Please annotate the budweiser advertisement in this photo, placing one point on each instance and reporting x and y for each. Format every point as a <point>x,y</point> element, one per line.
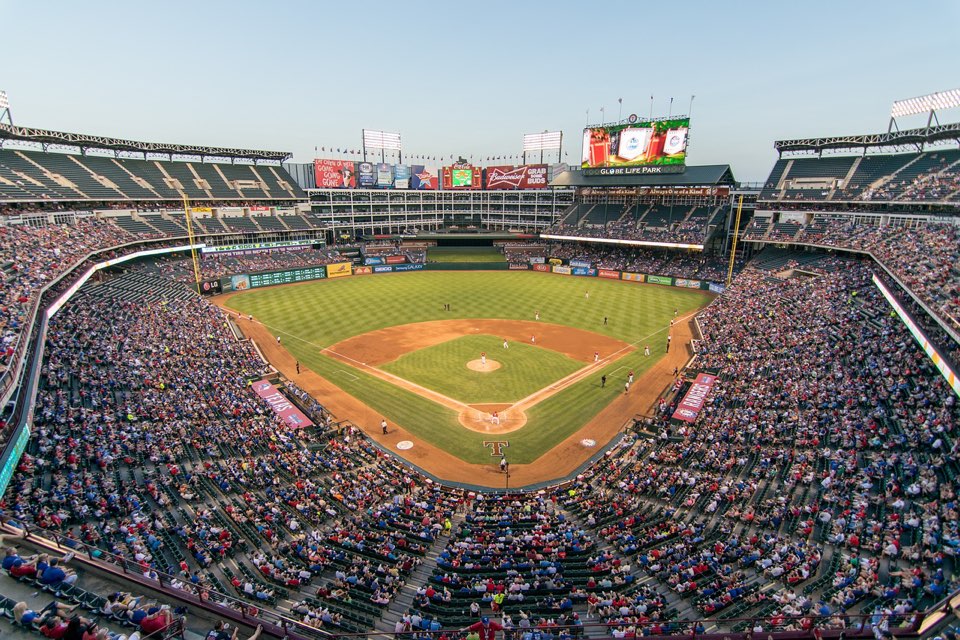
<point>696,396</point>
<point>531,176</point>
<point>335,174</point>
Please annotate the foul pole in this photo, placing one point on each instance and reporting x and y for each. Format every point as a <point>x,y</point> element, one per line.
<point>190,238</point>
<point>736,236</point>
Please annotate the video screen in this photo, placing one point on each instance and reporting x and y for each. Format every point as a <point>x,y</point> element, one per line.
<point>461,178</point>
<point>644,142</point>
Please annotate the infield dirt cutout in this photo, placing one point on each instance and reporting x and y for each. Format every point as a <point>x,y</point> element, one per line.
<point>557,462</point>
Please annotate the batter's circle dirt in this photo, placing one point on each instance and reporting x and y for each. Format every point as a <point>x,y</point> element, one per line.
<point>479,365</point>
<point>558,462</point>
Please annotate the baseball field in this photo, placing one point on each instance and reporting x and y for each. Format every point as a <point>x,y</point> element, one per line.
<point>455,359</point>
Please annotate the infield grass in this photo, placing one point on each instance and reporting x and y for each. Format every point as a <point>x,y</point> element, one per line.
<point>465,254</point>
<point>523,370</point>
<point>315,315</point>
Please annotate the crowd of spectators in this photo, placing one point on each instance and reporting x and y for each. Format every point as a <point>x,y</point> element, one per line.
<point>829,439</point>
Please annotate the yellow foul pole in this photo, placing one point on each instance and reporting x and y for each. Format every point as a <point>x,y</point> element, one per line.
<point>190,237</point>
<point>733,246</point>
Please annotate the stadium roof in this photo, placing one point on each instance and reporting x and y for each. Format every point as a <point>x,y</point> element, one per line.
<point>707,174</point>
<point>47,137</point>
<point>892,139</point>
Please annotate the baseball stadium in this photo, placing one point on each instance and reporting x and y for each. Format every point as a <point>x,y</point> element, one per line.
<point>366,390</point>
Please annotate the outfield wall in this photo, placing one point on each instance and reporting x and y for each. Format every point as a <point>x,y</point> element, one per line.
<point>247,281</point>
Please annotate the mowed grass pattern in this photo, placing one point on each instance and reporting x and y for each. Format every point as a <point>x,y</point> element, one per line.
<point>315,315</point>
<point>523,370</point>
<point>465,254</point>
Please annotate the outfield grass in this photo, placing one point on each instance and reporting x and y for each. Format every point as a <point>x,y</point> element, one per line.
<point>315,315</point>
<point>523,370</point>
<point>465,254</point>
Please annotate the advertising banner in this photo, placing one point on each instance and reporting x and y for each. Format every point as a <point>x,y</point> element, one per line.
<point>339,270</point>
<point>562,270</point>
<point>579,263</point>
<point>660,280</point>
<point>555,261</point>
<point>584,271</point>
<point>633,277</point>
<point>382,269</point>
<point>717,288</point>
<point>335,174</point>
<point>362,271</point>
<point>401,176</point>
<point>537,260</point>
<point>608,273</point>
<point>395,259</point>
<point>373,260</point>
<point>408,267</point>
<point>460,176</point>
<point>531,176</point>
<point>693,401</point>
<point>424,178</point>
<point>210,287</point>
<point>366,175</point>
<point>541,267</point>
<point>260,209</point>
<point>519,267</point>
<point>288,412</point>
<point>239,282</point>
<point>384,176</point>
<point>641,143</point>
<point>689,284</point>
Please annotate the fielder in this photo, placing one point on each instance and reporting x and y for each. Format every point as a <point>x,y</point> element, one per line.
<point>506,345</point>
<point>495,418</point>
<point>483,359</point>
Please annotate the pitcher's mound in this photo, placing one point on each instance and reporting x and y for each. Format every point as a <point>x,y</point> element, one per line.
<point>475,365</point>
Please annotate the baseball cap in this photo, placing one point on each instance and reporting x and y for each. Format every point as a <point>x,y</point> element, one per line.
<point>485,620</point>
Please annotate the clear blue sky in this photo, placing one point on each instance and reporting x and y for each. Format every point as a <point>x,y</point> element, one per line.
<point>471,77</point>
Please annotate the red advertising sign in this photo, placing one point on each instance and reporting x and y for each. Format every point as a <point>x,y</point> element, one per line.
<point>692,403</point>
<point>541,267</point>
<point>607,273</point>
<point>531,176</point>
<point>395,259</point>
<point>259,208</point>
<point>335,174</point>
<point>461,175</point>
<point>362,271</point>
<point>281,405</point>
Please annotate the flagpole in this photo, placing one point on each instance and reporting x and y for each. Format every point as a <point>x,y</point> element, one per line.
<point>670,111</point>
<point>620,110</point>
<point>651,108</point>
<point>690,110</point>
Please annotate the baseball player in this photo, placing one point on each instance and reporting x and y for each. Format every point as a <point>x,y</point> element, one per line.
<point>483,358</point>
<point>506,345</point>
<point>630,377</point>
<point>626,387</point>
<point>533,339</point>
<point>669,338</point>
<point>495,418</point>
<point>646,350</point>
<point>383,426</point>
<point>596,356</point>
<point>536,316</point>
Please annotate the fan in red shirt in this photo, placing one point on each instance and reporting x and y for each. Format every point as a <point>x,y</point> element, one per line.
<point>486,629</point>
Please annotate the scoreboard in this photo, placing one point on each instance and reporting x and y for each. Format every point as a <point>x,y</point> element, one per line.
<point>243,282</point>
<point>283,277</point>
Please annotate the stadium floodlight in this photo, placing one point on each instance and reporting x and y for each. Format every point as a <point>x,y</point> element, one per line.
<point>541,141</point>
<point>381,140</point>
<point>926,104</point>
<point>4,101</point>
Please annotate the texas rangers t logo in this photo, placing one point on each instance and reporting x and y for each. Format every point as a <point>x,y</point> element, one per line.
<point>496,446</point>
